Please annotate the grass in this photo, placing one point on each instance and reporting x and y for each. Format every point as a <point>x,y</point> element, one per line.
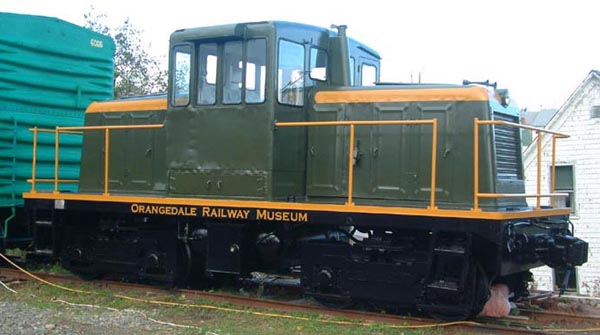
<point>54,268</point>
<point>16,253</point>
<point>221,318</point>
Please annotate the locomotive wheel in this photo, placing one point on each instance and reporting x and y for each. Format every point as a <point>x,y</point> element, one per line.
<point>73,259</point>
<point>477,292</point>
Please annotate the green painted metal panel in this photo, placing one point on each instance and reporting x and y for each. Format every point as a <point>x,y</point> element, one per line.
<point>136,156</point>
<point>393,163</point>
<point>50,71</point>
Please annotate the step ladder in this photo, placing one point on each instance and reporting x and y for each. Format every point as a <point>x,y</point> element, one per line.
<point>449,266</point>
<point>44,232</point>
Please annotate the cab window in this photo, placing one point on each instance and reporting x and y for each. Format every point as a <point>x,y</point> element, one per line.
<point>290,73</point>
<point>318,64</point>
<point>369,75</point>
<point>256,70</point>
<point>207,73</point>
<point>352,70</point>
<point>232,72</point>
<point>181,77</point>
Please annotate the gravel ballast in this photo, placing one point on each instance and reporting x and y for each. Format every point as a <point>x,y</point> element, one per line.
<point>18,318</point>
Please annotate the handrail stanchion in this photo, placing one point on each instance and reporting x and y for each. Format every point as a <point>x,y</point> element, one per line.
<point>56,146</point>
<point>553,177</point>
<point>433,162</point>
<point>476,164</point>
<point>106,155</point>
<point>34,159</point>
<point>351,165</point>
<point>539,171</point>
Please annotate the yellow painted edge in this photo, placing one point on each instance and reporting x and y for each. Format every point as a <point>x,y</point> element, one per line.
<point>403,95</point>
<point>127,106</point>
<point>436,212</point>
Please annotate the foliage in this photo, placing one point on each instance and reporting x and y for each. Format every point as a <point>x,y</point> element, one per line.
<point>136,71</point>
<point>591,287</point>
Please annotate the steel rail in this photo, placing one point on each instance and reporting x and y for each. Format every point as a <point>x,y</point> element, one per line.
<point>562,317</point>
<point>497,326</point>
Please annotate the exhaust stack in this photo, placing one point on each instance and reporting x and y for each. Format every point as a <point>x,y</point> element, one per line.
<point>340,57</point>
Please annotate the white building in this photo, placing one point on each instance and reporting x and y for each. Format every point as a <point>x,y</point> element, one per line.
<point>578,174</point>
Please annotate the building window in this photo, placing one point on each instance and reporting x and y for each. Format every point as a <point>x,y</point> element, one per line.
<point>564,182</point>
<point>595,112</point>
<point>566,278</point>
<point>290,73</point>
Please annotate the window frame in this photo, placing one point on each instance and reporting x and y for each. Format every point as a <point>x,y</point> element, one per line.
<point>595,112</point>
<point>215,84</point>
<point>362,74</point>
<point>571,191</point>
<point>559,275</point>
<point>301,105</point>
<point>174,86</point>
<point>258,70</point>
<point>220,79</point>
<point>310,65</point>
<point>242,69</point>
<point>352,64</point>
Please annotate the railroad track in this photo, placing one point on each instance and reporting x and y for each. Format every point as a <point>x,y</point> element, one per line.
<point>529,322</point>
<point>546,316</point>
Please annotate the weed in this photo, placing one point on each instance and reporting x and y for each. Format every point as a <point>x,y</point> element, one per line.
<point>591,287</point>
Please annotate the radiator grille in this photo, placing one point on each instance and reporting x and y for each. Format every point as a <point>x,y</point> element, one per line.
<point>508,148</point>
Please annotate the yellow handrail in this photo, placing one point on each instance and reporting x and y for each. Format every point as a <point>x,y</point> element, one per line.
<point>56,146</point>
<point>351,166</point>
<point>352,125</point>
<point>38,180</point>
<point>78,131</point>
<point>34,159</point>
<point>538,195</point>
<point>106,155</point>
<point>52,131</point>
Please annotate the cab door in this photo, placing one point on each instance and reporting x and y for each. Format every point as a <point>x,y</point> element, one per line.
<point>327,158</point>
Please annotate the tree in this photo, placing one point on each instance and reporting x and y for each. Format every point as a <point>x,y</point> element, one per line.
<point>136,71</point>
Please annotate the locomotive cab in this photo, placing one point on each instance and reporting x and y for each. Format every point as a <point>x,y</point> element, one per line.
<point>230,84</point>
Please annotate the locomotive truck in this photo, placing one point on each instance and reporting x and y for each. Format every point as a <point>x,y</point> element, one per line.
<point>277,151</point>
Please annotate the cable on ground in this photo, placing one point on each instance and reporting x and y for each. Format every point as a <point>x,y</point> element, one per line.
<point>276,315</point>
<point>8,288</point>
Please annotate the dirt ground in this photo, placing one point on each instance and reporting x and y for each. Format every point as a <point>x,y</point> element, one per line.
<point>571,305</point>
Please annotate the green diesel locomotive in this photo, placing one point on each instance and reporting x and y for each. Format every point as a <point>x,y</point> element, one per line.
<point>278,151</point>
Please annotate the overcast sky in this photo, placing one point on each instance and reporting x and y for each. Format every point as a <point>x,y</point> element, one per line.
<point>539,50</point>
